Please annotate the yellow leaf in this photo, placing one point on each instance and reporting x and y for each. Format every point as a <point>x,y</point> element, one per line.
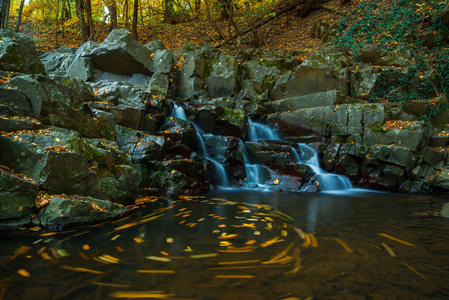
<point>395,239</point>
<point>23,272</point>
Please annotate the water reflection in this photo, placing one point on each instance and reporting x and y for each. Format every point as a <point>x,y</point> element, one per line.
<point>236,244</point>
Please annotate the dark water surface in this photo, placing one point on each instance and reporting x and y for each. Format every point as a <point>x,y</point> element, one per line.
<point>240,244</point>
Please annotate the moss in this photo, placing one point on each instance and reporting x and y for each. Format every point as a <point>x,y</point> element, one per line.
<point>378,127</point>
<point>91,153</point>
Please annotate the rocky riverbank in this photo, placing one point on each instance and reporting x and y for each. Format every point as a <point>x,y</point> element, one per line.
<point>86,131</point>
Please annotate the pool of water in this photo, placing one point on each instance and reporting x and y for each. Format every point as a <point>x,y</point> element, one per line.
<point>241,244</point>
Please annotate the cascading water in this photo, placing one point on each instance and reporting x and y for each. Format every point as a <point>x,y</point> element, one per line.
<point>252,170</point>
<point>256,132</point>
<point>261,132</point>
<point>222,178</point>
<point>327,182</point>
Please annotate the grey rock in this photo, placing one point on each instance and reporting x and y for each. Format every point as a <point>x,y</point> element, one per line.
<point>18,54</point>
<point>15,100</point>
<point>163,61</point>
<point>82,68</point>
<point>159,84</point>
<point>33,91</point>
<point>327,98</point>
<point>306,121</point>
<point>155,45</point>
<point>404,138</point>
<point>121,54</point>
<point>63,212</point>
<point>17,197</point>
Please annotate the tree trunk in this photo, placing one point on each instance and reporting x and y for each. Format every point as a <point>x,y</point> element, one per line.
<point>4,13</point>
<point>69,10</point>
<point>168,11</point>
<point>113,10</point>
<point>82,22</point>
<point>126,14</point>
<point>56,23</point>
<point>19,16</point>
<point>135,15</point>
<point>90,21</point>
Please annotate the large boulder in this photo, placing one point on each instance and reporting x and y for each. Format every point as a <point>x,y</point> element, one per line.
<point>121,54</point>
<point>63,212</point>
<point>191,76</point>
<point>17,197</point>
<point>221,81</point>
<point>18,54</point>
<point>324,70</point>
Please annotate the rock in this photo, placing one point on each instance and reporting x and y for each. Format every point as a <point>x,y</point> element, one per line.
<point>127,116</point>
<point>433,156</point>
<point>262,74</point>
<point>392,176</point>
<point>15,123</point>
<point>306,121</point>
<point>163,61</point>
<point>327,98</point>
<point>15,100</point>
<point>121,54</point>
<point>82,68</point>
<point>222,72</point>
<point>363,81</point>
<point>57,62</point>
<point>231,122</point>
<point>139,145</point>
<point>445,211</point>
<point>155,46</point>
<point>17,198</point>
<point>125,93</point>
<point>63,212</point>
<point>323,70</point>
<point>120,185</point>
<point>159,84</point>
<point>190,79</point>
<point>404,138</point>
<point>403,157</point>
<point>372,54</point>
<point>18,54</point>
<point>33,90</point>
<point>441,181</point>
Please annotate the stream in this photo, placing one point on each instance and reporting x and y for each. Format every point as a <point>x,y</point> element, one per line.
<point>241,244</point>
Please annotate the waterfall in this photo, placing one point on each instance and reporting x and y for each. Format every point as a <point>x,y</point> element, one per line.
<point>222,178</point>
<point>261,132</point>
<point>326,181</point>
<point>252,170</point>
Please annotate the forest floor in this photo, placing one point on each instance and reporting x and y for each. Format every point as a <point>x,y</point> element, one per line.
<point>289,32</point>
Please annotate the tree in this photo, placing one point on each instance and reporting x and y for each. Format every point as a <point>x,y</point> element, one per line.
<point>4,13</point>
<point>135,15</point>
<point>82,21</point>
<point>113,11</point>
<point>19,16</point>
